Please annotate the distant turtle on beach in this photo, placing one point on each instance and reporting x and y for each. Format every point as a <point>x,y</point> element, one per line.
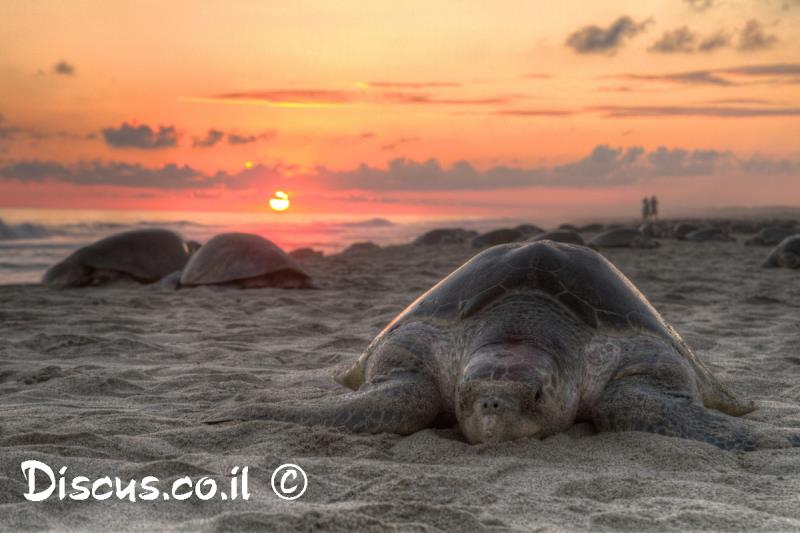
<point>708,234</point>
<point>243,260</point>
<point>560,235</point>
<point>144,255</point>
<point>445,236</point>
<point>623,238</point>
<point>525,340</point>
<point>771,235</point>
<point>498,236</point>
<point>593,227</point>
<point>529,230</point>
<point>786,254</point>
<point>304,254</point>
<point>682,229</point>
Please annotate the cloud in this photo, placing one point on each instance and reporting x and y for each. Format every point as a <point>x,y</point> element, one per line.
<point>292,97</point>
<point>731,76</point>
<point>534,112</point>
<point>684,40</point>
<point>408,175</point>
<point>597,40</point>
<point>421,98</point>
<point>118,174</point>
<point>680,162</point>
<point>142,137</point>
<point>7,132</point>
<point>699,111</point>
<point>753,37</point>
<point>714,42</point>
<point>399,142</point>
<point>62,68</point>
<point>780,69</point>
<point>412,84</point>
<point>700,5</point>
<point>380,92</point>
<point>679,40</point>
<point>212,137</point>
<point>604,166</point>
<point>697,77</point>
<point>235,138</point>
<point>763,166</point>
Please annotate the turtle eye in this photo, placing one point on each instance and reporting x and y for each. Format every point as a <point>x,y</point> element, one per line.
<point>538,395</point>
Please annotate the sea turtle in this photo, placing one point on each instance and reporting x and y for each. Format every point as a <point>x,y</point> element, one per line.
<point>560,235</point>
<point>682,229</point>
<point>244,260</point>
<point>654,229</point>
<point>710,233</point>
<point>304,254</point>
<point>498,236</point>
<point>445,236</point>
<point>786,254</point>
<point>593,227</point>
<point>529,230</point>
<point>144,255</point>
<point>771,235</point>
<point>622,238</point>
<point>359,248</point>
<point>524,340</point>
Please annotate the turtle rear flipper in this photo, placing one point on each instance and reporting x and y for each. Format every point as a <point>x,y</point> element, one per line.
<point>641,403</point>
<point>402,404</point>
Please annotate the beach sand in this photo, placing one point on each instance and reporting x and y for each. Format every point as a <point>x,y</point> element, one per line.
<point>115,381</point>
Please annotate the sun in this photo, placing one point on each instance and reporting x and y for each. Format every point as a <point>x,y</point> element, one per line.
<point>280,202</point>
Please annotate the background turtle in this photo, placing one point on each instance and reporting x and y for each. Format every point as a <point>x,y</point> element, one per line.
<point>445,236</point>
<point>593,227</point>
<point>569,227</point>
<point>560,235</point>
<point>622,238</point>
<point>524,340</point>
<point>145,255</point>
<point>786,254</point>
<point>529,230</point>
<point>498,236</point>
<point>771,235</point>
<point>708,234</point>
<point>682,229</point>
<point>244,260</point>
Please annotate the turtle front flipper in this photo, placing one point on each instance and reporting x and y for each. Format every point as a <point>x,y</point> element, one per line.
<point>402,404</point>
<point>639,403</point>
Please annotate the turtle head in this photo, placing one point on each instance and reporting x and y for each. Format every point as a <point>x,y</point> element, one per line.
<point>506,395</point>
<point>67,274</point>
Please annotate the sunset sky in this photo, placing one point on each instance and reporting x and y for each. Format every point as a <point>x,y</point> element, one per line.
<point>405,107</point>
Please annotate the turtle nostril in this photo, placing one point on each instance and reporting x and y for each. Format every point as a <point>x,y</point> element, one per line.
<point>495,405</point>
<point>485,405</point>
<point>538,395</point>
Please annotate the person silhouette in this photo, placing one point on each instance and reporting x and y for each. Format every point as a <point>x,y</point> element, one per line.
<point>654,207</point>
<point>646,209</point>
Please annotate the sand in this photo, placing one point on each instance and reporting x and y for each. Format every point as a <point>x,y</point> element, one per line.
<point>115,381</point>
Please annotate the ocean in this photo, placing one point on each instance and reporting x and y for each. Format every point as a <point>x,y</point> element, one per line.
<point>33,239</point>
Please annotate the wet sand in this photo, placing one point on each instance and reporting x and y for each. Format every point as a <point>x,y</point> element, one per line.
<point>115,381</point>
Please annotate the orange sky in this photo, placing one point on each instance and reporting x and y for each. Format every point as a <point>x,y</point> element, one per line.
<point>490,108</point>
